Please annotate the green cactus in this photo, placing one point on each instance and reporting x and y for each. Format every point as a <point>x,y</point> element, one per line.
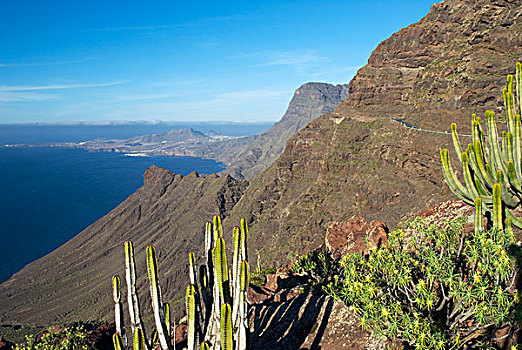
<point>132,296</point>
<point>118,314</point>
<point>161,310</point>
<point>229,288</point>
<point>491,166</point>
<point>218,229</point>
<point>139,339</point>
<point>166,314</point>
<point>154,340</point>
<point>190,301</point>
<point>226,327</point>
<point>118,342</point>
<point>479,227</point>
<point>242,304</point>
<point>155,294</point>
<point>219,256</point>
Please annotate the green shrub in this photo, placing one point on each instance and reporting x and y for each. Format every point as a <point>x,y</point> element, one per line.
<point>318,266</point>
<point>434,288</point>
<point>71,338</point>
<point>259,278</point>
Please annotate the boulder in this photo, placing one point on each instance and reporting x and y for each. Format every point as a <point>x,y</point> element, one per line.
<point>350,236</point>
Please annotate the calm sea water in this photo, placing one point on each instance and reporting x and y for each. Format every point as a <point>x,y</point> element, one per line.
<point>48,195</point>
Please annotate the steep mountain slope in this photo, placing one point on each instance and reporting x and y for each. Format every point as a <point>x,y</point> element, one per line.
<point>244,156</point>
<point>173,209</point>
<point>309,102</point>
<point>357,159</point>
<point>451,63</point>
<point>248,156</point>
<point>73,282</point>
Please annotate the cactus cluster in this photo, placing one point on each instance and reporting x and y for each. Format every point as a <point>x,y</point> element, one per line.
<point>162,335</point>
<point>217,309</point>
<point>490,165</point>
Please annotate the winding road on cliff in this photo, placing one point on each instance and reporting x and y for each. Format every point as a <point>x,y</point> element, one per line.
<point>415,127</point>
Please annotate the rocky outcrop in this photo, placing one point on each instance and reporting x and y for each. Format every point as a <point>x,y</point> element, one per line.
<point>456,58</point>
<point>309,322</point>
<point>249,156</point>
<point>352,236</point>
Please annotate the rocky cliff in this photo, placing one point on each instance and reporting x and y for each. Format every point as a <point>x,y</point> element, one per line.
<point>248,156</point>
<point>244,156</point>
<point>356,159</point>
<point>310,101</point>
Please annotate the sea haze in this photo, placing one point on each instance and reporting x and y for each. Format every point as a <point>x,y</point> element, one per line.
<point>48,194</point>
<point>50,133</point>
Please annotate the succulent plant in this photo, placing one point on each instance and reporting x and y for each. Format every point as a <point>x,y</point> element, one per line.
<point>221,324</point>
<point>223,291</point>
<point>489,161</point>
<point>161,310</point>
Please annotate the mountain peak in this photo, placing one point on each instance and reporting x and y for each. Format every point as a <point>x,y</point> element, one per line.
<point>455,57</point>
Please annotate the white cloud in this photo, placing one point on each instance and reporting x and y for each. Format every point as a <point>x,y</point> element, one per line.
<point>290,58</point>
<point>24,96</point>
<point>297,59</point>
<point>56,86</point>
<point>52,63</point>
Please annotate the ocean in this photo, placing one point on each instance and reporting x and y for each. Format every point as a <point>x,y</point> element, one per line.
<point>48,195</point>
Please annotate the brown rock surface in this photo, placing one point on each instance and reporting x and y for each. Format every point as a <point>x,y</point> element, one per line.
<point>450,64</point>
<point>350,236</point>
<point>310,101</point>
<point>309,322</point>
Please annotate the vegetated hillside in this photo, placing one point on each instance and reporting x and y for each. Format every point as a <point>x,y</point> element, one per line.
<point>353,160</point>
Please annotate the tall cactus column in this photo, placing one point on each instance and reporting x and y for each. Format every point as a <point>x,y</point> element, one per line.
<point>118,314</point>
<point>155,294</point>
<point>224,291</point>
<point>491,164</point>
<point>224,294</point>
<point>132,296</point>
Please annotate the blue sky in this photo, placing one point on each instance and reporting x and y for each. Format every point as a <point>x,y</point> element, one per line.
<point>174,60</point>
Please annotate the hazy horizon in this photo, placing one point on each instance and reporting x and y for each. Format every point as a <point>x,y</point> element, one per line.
<point>204,61</point>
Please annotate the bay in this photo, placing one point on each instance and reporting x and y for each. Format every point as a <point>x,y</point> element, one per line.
<point>48,195</point>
